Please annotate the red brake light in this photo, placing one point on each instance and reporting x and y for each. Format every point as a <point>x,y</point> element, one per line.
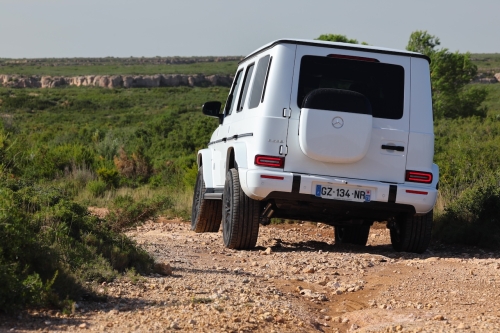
<point>272,177</point>
<point>418,177</point>
<point>340,56</point>
<point>270,161</point>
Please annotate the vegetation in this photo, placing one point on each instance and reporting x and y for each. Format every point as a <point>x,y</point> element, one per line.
<point>50,245</point>
<point>450,73</point>
<point>467,155</point>
<point>339,38</point>
<point>62,150</point>
<point>119,66</point>
<point>487,62</point>
<point>96,141</point>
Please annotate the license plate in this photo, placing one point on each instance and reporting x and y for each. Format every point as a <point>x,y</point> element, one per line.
<point>343,193</point>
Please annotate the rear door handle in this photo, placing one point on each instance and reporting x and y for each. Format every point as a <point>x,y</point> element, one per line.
<point>396,148</point>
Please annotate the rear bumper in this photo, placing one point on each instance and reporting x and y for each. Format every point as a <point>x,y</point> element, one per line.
<point>405,197</point>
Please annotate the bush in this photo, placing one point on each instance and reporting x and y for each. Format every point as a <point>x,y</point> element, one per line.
<point>50,245</point>
<point>136,166</point>
<point>109,176</point>
<point>473,218</point>
<point>127,212</point>
<point>97,188</point>
<point>108,146</point>
<point>190,175</point>
<point>17,290</point>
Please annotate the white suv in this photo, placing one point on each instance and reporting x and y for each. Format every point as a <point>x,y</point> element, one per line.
<point>319,131</point>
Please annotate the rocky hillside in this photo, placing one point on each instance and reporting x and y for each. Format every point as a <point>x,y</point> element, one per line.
<point>115,81</point>
<point>487,78</point>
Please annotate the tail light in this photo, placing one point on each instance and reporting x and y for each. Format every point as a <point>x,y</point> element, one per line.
<point>270,161</point>
<point>418,177</point>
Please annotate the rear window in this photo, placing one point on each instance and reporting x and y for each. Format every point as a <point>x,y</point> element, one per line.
<point>382,84</point>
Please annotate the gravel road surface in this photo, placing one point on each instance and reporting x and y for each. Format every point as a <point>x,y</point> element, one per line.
<point>296,280</point>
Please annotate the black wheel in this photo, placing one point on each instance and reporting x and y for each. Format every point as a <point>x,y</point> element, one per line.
<point>240,221</point>
<point>206,215</point>
<point>412,234</point>
<point>352,234</point>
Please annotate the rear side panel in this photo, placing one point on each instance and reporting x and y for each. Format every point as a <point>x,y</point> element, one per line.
<point>421,141</point>
<point>378,164</point>
<point>258,122</point>
<point>266,120</point>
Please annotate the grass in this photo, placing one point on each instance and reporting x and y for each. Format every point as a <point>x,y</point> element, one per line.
<point>487,62</point>
<point>115,66</point>
<point>71,137</point>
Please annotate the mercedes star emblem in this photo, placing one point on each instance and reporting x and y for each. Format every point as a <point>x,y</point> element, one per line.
<point>337,122</point>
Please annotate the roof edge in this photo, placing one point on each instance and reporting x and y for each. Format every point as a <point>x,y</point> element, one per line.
<point>342,46</point>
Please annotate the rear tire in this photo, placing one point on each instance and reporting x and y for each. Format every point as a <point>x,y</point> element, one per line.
<point>240,226</point>
<point>206,215</point>
<point>412,234</point>
<point>352,234</point>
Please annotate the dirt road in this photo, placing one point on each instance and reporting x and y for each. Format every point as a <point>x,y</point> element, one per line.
<point>297,280</point>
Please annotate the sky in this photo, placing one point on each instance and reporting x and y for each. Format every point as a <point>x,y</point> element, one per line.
<point>149,28</point>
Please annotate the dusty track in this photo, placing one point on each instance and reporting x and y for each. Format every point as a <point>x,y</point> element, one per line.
<point>297,280</point>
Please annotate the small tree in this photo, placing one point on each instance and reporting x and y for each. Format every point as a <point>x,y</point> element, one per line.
<point>450,73</point>
<point>422,42</point>
<point>338,38</point>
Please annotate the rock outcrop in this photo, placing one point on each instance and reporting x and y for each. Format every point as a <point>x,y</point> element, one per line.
<point>116,81</point>
<point>144,81</point>
<point>486,78</point>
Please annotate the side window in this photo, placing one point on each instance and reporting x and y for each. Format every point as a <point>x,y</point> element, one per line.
<point>246,83</point>
<point>258,87</point>
<point>234,90</point>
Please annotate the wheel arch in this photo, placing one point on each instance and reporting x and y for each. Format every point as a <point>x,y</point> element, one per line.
<point>204,161</point>
<point>236,156</point>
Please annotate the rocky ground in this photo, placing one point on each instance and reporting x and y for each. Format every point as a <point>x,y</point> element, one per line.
<point>296,280</point>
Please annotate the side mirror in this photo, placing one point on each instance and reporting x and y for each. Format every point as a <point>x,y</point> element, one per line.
<point>212,109</point>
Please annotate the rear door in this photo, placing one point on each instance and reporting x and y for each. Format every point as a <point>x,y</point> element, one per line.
<point>341,142</point>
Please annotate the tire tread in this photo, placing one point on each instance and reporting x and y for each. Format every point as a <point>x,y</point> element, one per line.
<point>244,228</point>
<point>355,234</point>
<point>415,233</point>
<point>209,215</point>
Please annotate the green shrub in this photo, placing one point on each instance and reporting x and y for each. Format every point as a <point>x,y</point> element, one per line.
<point>127,212</point>
<point>97,188</point>
<point>109,176</point>
<point>474,217</point>
<point>16,290</point>
<point>50,245</point>
<point>108,146</point>
<point>21,100</point>
<point>190,175</point>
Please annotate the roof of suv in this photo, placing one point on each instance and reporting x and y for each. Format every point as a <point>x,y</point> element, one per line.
<point>337,45</point>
